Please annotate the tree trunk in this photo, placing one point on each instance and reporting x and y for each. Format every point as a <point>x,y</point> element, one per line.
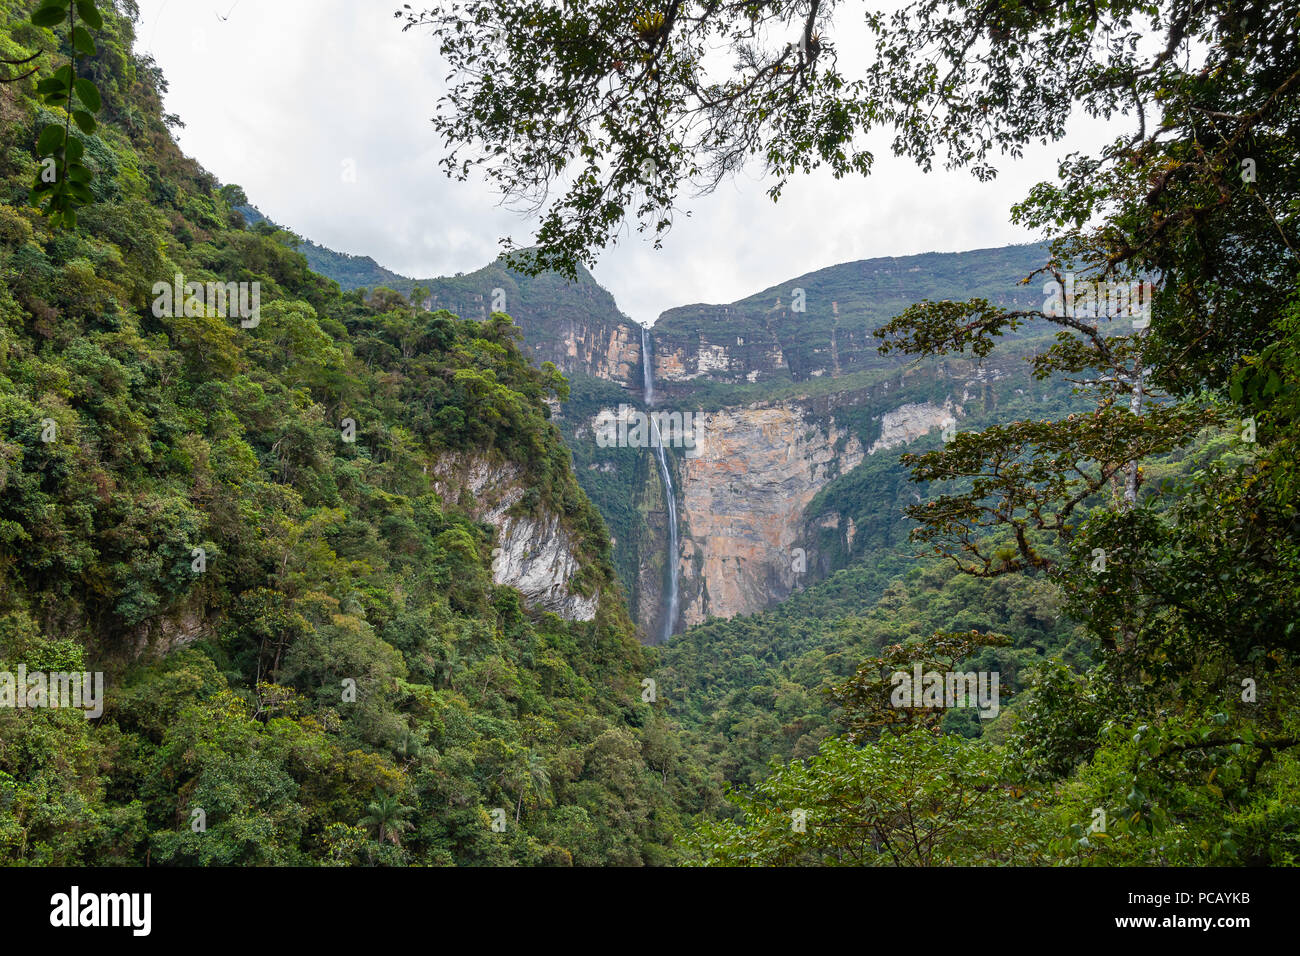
<point>1135,406</point>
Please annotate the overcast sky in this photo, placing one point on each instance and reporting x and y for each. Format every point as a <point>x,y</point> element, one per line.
<point>286,94</point>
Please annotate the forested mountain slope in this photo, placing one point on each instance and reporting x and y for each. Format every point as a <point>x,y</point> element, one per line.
<point>350,272</point>
<point>785,419</point>
<point>286,539</point>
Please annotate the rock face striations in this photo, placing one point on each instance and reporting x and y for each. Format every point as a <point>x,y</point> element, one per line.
<point>536,553</point>
<point>743,495</point>
<point>821,325</point>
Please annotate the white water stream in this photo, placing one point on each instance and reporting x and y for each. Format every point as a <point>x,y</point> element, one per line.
<point>656,440</point>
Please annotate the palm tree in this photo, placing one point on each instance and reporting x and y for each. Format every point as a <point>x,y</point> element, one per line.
<point>452,664</point>
<point>537,778</point>
<point>385,813</point>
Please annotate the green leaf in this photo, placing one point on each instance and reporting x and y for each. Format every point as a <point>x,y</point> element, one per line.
<point>75,150</point>
<point>49,15</point>
<point>51,138</point>
<point>88,13</point>
<point>85,122</point>
<point>78,173</point>
<point>89,94</point>
<point>82,42</point>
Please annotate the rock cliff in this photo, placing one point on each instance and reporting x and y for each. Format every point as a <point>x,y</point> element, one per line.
<point>535,554</point>
<point>910,421</point>
<point>743,493</point>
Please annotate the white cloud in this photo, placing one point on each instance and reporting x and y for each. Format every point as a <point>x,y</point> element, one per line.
<point>285,92</point>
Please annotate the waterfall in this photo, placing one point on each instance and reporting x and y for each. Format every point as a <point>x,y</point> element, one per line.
<point>656,441</point>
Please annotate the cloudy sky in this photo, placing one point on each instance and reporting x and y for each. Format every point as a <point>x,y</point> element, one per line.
<point>284,95</point>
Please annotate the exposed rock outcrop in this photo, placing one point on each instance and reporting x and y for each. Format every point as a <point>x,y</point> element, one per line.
<point>610,350</point>
<point>717,356</point>
<point>161,635</point>
<point>909,422</point>
<point>535,554</point>
<point>743,494</point>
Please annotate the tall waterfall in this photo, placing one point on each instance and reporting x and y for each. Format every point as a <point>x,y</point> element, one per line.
<point>656,440</point>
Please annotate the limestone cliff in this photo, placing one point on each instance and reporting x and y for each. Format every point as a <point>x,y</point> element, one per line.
<point>910,421</point>
<point>609,350</point>
<point>748,536</point>
<point>535,554</point>
<point>709,351</point>
<point>743,492</point>
<point>821,324</point>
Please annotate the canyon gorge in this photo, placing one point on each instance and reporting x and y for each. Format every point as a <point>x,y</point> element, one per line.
<point>788,404</point>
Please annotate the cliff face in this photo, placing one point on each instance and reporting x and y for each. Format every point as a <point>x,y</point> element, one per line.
<point>718,345</point>
<point>749,534</point>
<point>535,554</point>
<point>743,493</point>
<point>822,324</point>
<point>747,343</point>
<point>910,421</point>
<point>609,349</point>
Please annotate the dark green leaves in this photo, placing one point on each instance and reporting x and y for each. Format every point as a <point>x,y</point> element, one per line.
<point>89,95</point>
<point>51,138</point>
<point>56,89</point>
<point>81,41</point>
<point>50,13</point>
<point>88,13</point>
<point>62,183</point>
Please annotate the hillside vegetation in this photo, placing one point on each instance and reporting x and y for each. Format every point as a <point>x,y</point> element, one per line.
<point>307,659</point>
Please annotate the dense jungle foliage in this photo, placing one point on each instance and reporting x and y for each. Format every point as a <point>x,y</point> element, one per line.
<point>183,508</point>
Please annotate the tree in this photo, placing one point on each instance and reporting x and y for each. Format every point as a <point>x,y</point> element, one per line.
<point>617,108</point>
<point>386,815</point>
<point>536,779</point>
<point>867,698</point>
<point>908,800</point>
